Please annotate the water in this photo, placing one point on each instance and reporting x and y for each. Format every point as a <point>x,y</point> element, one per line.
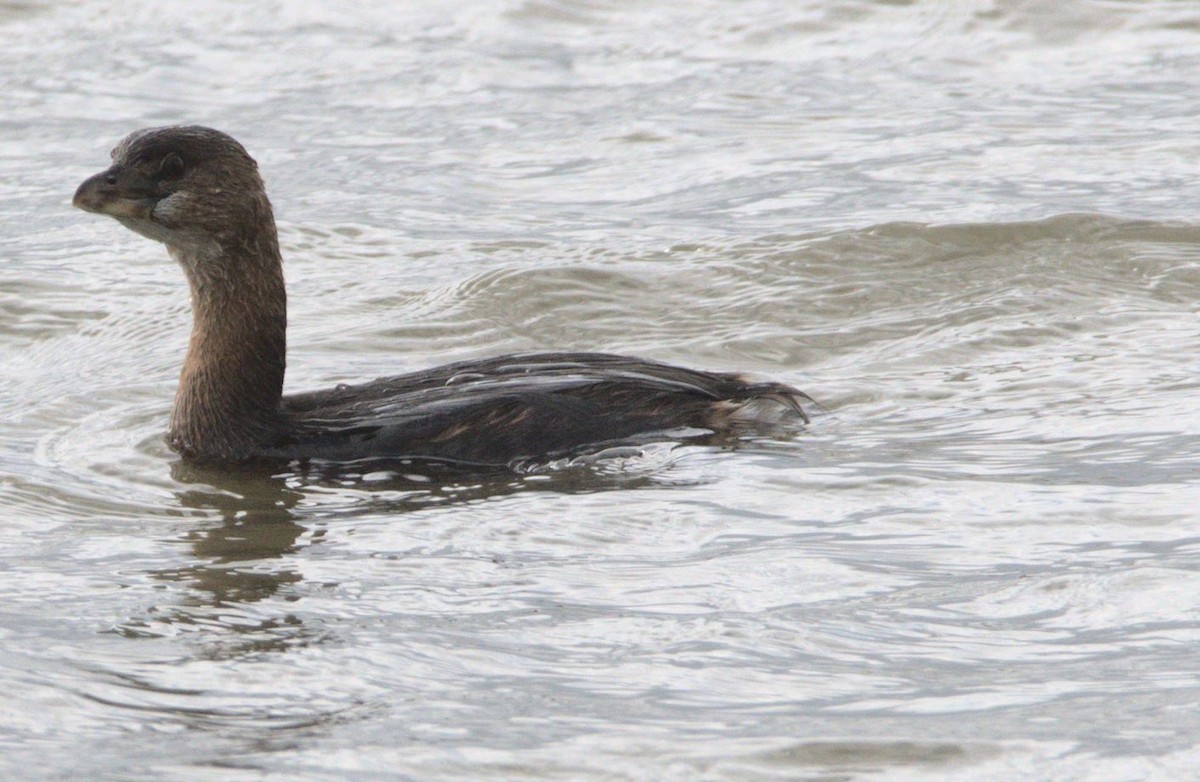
<point>967,228</point>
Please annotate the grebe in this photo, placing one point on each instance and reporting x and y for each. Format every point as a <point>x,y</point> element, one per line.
<point>199,192</point>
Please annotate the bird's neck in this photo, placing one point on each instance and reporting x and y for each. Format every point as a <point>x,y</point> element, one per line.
<point>227,405</point>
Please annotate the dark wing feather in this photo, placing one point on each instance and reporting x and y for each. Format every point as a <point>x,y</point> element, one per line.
<point>507,408</point>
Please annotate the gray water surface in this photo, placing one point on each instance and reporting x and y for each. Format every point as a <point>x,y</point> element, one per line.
<point>967,228</point>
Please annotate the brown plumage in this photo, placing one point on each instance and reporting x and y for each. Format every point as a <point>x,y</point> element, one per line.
<point>198,191</point>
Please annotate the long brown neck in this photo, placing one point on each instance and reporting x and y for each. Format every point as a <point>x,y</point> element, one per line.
<point>227,405</point>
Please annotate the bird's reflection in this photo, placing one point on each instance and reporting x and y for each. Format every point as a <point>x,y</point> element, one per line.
<point>258,526</point>
<point>241,561</point>
<point>267,516</point>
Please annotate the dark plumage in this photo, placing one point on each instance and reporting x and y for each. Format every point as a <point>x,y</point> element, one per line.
<point>198,191</point>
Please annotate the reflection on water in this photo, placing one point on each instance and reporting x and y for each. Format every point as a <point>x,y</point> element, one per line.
<point>244,560</point>
<point>256,528</point>
<point>249,556</point>
<point>967,229</point>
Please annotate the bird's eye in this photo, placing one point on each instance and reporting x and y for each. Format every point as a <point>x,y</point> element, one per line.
<point>171,167</point>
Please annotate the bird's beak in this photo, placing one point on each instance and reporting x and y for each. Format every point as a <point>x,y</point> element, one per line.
<point>116,191</point>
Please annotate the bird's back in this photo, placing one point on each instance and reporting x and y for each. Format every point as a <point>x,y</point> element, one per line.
<point>506,409</point>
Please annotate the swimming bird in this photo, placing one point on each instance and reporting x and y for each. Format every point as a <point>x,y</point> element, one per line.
<point>199,192</point>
